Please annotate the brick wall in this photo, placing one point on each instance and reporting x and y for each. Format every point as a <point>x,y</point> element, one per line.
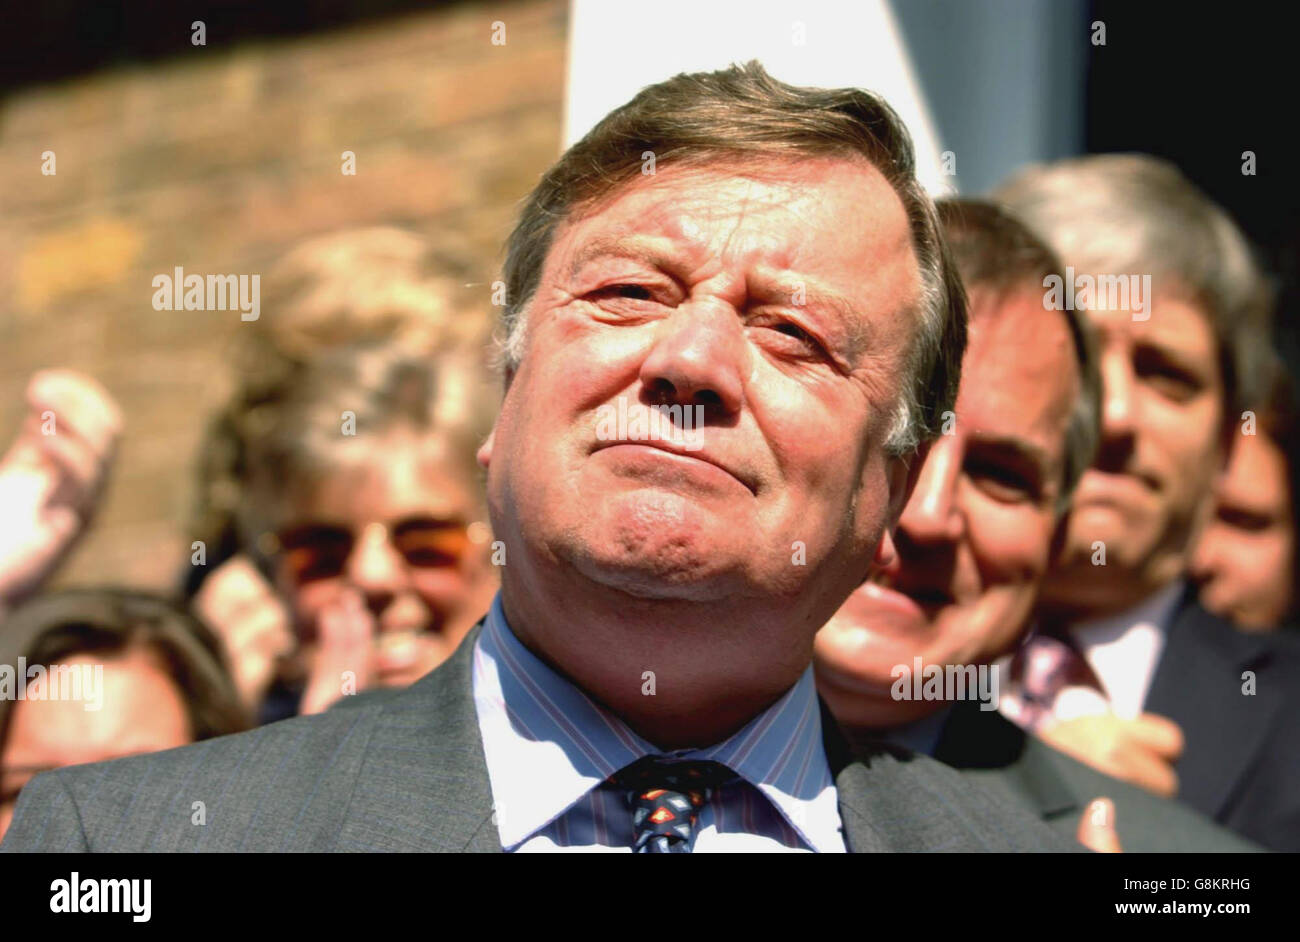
<point>218,161</point>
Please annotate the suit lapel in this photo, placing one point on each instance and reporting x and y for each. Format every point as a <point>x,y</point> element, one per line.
<point>1198,685</point>
<point>851,786</point>
<point>877,787</point>
<point>975,739</point>
<point>424,783</point>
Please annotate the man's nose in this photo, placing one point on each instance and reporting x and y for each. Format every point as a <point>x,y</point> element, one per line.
<point>698,358</point>
<point>933,513</point>
<point>1118,397</point>
<point>375,569</point>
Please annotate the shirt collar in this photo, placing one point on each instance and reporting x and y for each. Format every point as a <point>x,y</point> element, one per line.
<point>1124,649</point>
<point>547,744</point>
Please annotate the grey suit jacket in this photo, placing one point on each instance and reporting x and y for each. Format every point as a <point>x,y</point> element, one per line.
<point>405,772</point>
<point>1004,759</point>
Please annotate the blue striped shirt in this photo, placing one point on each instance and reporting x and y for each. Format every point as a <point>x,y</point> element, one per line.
<point>549,748</point>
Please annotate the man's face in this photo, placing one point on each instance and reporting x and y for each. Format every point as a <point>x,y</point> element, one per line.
<point>1245,559</point>
<point>975,537</point>
<point>1150,488</point>
<point>780,301</point>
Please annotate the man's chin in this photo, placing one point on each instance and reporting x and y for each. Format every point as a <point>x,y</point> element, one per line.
<point>1099,540</point>
<point>670,575</point>
<point>1111,521</point>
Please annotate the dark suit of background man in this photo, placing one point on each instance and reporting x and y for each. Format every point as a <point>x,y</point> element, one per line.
<point>644,679</point>
<point>1193,707</point>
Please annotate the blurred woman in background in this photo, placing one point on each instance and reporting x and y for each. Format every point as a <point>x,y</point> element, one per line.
<point>363,501</point>
<point>330,300</point>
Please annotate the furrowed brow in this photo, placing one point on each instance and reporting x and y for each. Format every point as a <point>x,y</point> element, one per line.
<point>849,328</point>
<point>655,251</point>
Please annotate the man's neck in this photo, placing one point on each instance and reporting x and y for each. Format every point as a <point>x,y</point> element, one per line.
<point>1067,601</point>
<point>678,678</point>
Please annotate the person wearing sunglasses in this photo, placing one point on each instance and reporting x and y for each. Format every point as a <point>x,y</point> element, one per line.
<point>374,543</point>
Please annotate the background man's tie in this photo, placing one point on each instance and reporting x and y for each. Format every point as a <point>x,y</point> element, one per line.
<point>1042,670</point>
<point>665,798</point>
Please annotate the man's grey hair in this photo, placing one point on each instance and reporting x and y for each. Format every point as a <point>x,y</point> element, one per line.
<point>741,117</point>
<point>1136,214</point>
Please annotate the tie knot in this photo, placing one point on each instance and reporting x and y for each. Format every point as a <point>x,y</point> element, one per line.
<point>1045,666</point>
<point>662,772</point>
<point>665,797</point>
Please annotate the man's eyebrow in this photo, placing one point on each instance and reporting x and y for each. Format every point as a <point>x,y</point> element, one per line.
<point>784,286</point>
<point>1012,447</point>
<point>645,248</point>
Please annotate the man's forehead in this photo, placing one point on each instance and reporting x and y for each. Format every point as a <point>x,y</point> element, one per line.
<point>702,207</point>
<point>1020,375</point>
<point>1172,322</point>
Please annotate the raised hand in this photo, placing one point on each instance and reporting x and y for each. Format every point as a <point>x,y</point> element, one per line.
<point>52,476</point>
<point>252,623</point>
<point>344,653</point>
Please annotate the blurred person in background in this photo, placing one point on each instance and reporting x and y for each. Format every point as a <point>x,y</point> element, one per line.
<point>1245,560</point>
<point>974,543</point>
<point>1182,703</point>
<point>52,477</point>
<point>362,500</point>
<point>372,286</point>
<point>142,674</point>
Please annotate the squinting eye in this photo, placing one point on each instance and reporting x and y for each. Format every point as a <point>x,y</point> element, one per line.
<point>627,292</point>
<point>1166,377</point>
<point>797,332</point>
<point>806,341</point>
<point>1172,385</point>
<point>1000,483</point>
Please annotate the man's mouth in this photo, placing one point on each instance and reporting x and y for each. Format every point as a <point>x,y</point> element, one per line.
<point>672,452</point>
<point>926,596</point>
<point>1113,487</point>
<point>399,650</point>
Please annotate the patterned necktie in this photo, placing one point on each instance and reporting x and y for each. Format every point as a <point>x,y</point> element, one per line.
<point>1041,670</point>
<point>665,798</point>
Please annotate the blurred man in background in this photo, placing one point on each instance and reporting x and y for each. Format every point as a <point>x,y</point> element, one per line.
<point>1245,560</point>
<point>974,543</point>
<point>1184,702</point>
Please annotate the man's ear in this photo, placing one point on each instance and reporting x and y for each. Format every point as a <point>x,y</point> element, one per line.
<point>484,455</point>
<point>902,479</point>
<point>904,471</point>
